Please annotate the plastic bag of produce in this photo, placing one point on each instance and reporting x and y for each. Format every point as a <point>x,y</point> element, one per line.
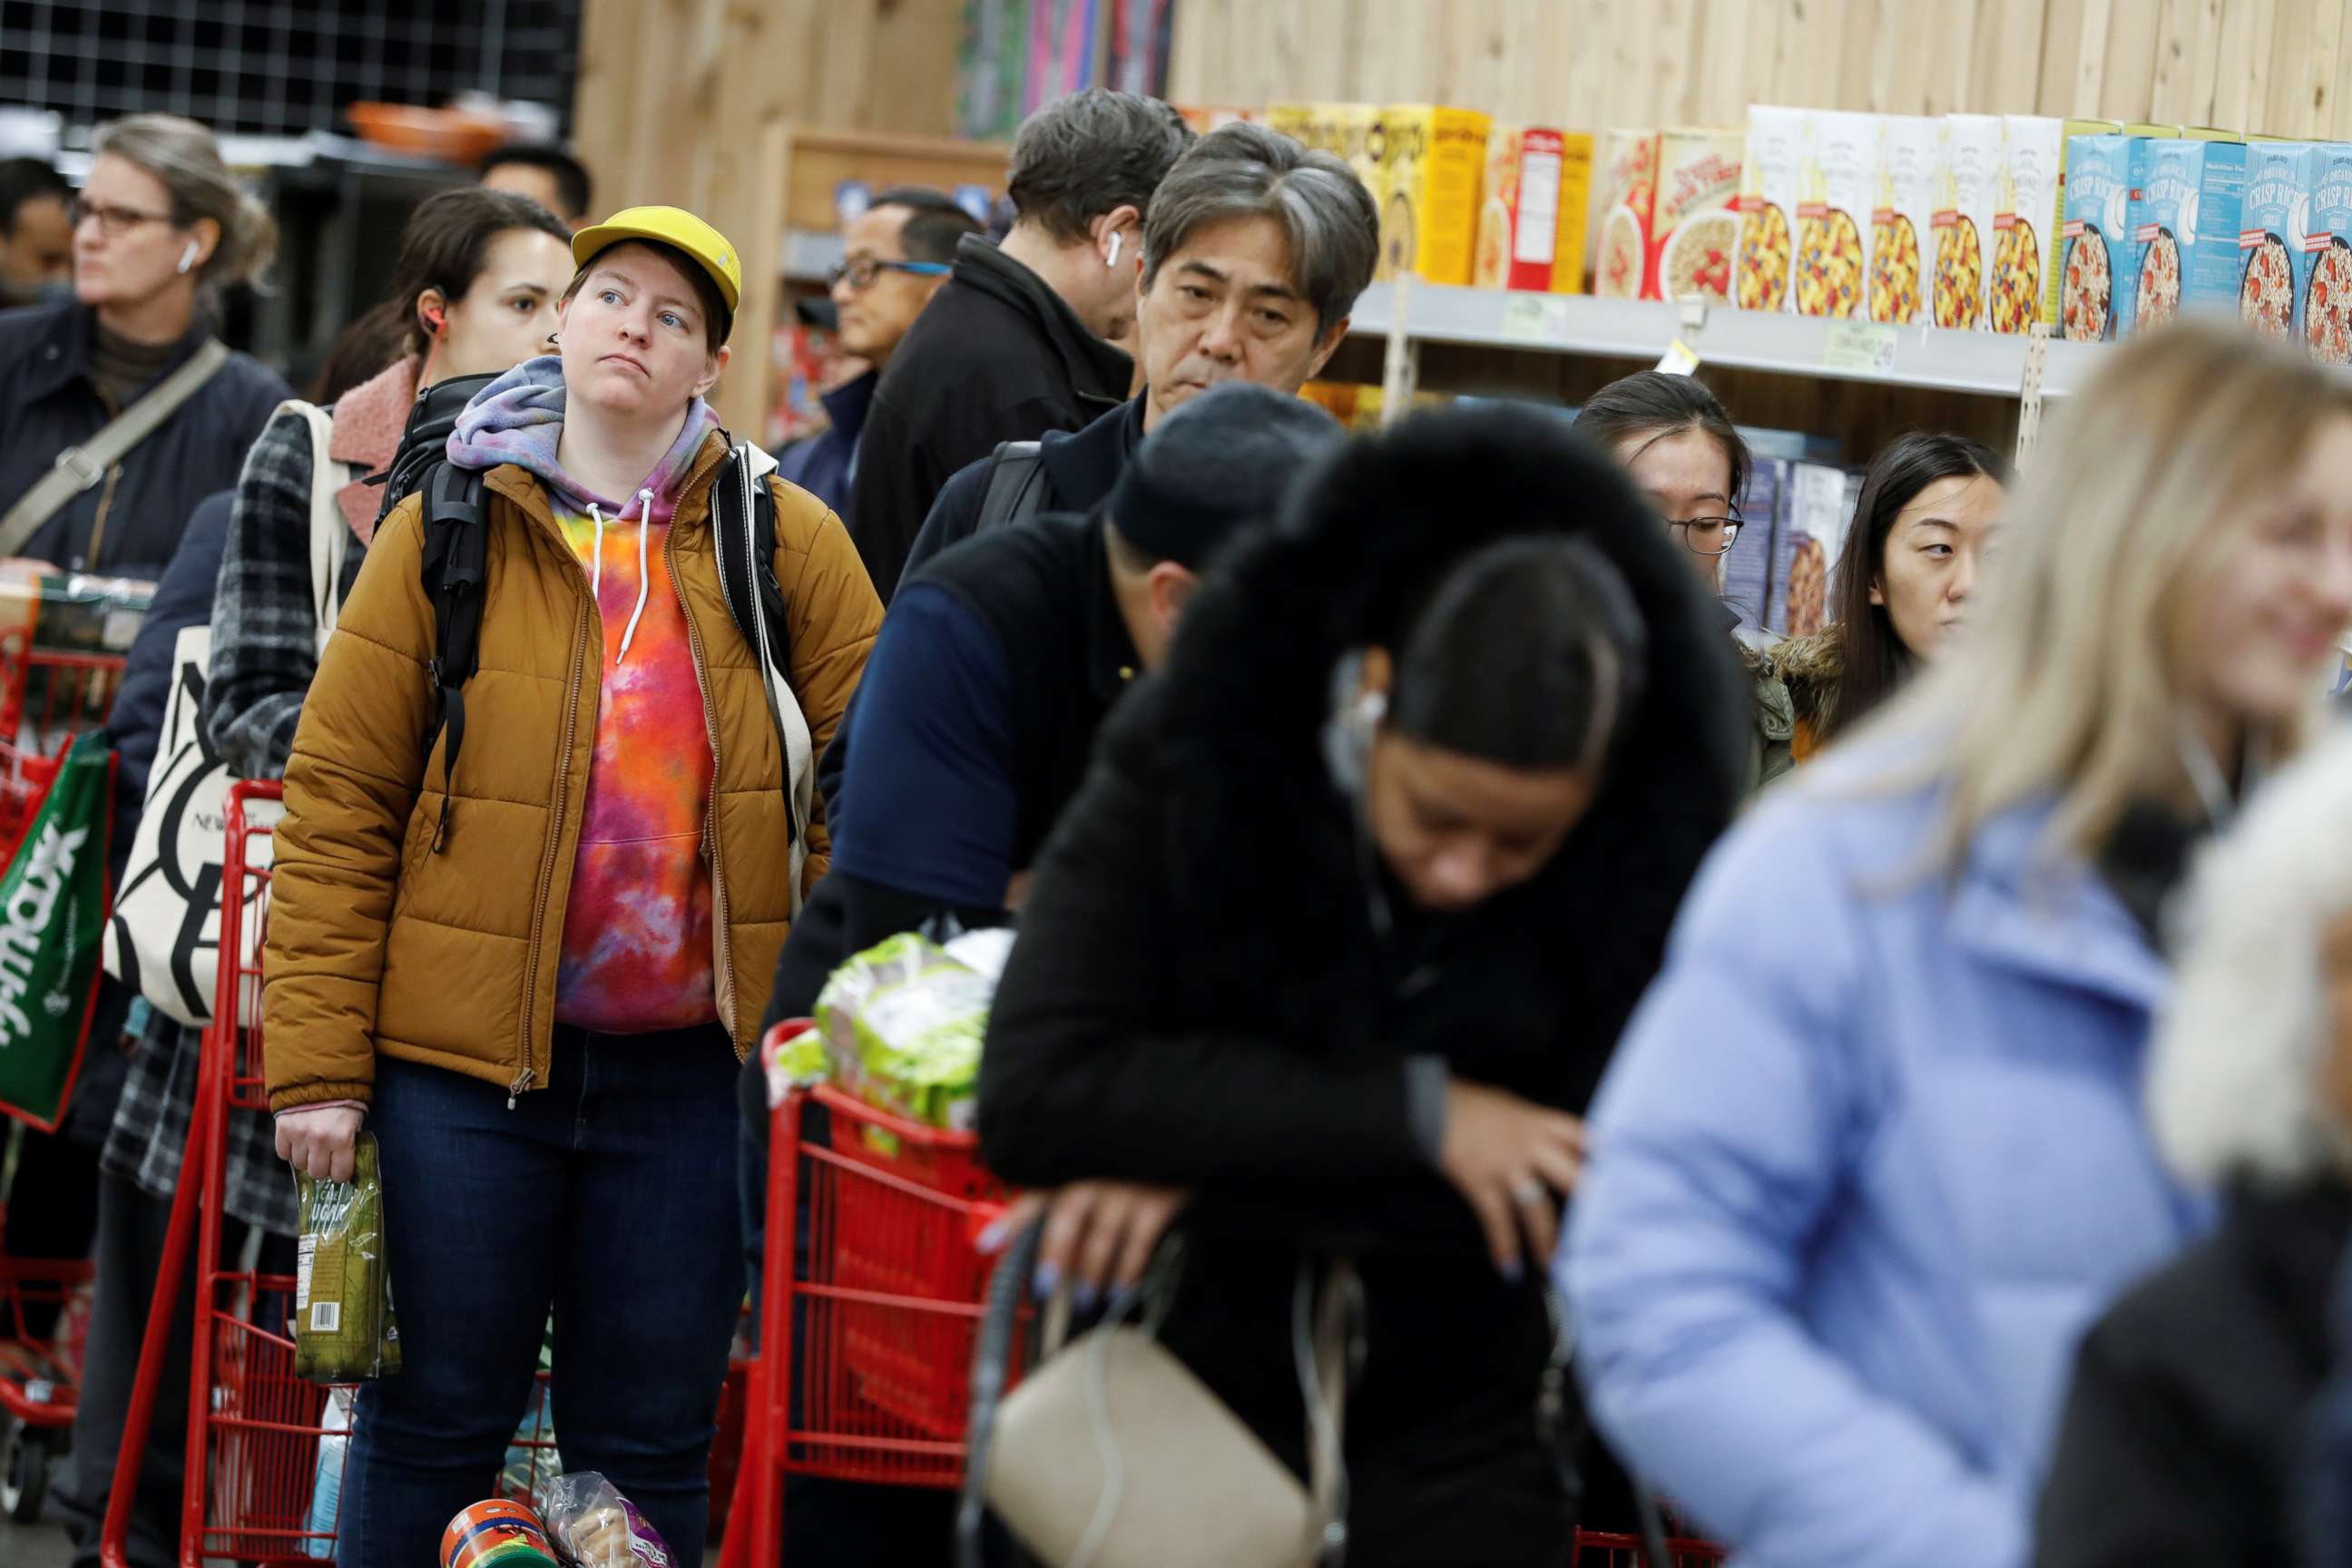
<point>902,1024</point>
<point>593,1526</point>
<point>343,1326</point>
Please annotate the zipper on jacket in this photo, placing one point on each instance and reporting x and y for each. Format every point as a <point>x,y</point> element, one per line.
<point>722,957</point>
<point>555,837</point>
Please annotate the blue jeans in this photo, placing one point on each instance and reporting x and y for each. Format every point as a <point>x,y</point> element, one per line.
<point>610,1197</point>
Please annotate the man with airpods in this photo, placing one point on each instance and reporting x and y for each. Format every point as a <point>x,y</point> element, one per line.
<point>1014,344</point>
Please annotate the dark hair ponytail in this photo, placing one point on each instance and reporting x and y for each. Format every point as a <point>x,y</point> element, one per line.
<point>1653,403</point>
<point>1875,661</point>
<point>1532,653</point>
<point>444,248</point>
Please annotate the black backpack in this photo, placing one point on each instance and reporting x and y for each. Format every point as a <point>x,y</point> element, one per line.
<point>455,567</point>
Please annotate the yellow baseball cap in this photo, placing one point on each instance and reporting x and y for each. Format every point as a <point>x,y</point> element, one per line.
<point>672,227</point>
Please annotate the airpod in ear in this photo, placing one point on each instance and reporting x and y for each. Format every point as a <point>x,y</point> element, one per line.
<point>1112,259</point>
<point>188,258</point>
<point>1371,707</point>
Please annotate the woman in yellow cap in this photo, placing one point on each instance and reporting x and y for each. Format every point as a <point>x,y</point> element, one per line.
<point>537,998</point>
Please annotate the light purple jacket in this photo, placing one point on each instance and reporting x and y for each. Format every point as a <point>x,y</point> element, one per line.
<point>1869,1160</point>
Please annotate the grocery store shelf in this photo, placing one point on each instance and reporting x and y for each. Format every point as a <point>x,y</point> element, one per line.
<point>1792,345</point>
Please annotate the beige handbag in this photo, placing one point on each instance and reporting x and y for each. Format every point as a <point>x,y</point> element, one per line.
<point>1113,1455</point>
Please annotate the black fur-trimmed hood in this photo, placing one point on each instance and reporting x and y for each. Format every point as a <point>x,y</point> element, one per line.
<point>1232,729</point>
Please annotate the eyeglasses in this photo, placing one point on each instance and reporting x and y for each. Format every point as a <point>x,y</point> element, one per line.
<point>1706,535</point>
<point>112,221</point>
<point>862,272</point>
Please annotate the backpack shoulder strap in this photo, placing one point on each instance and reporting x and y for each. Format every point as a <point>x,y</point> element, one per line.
<point>456,569</point>
<point>743,531</point>
<point>1016,484</point>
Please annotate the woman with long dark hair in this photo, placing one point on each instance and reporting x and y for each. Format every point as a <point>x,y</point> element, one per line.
<point>1912,557</point>
<point>1320,958</point>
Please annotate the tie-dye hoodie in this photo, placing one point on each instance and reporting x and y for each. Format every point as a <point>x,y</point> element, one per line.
<point>637,945</point>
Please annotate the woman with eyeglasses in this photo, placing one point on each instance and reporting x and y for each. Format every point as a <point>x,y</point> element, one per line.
<point>161,228</point>
<point>1687,460</point>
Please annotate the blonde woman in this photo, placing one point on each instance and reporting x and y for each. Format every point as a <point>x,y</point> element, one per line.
<point>1871,1155</point>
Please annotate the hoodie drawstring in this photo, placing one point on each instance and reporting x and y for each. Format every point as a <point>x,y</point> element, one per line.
<point>596,555</point>
<point>645,584</point>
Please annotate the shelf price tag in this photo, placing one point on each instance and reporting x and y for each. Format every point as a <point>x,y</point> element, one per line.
<point>1534,318</point>
<point>1858,346</point>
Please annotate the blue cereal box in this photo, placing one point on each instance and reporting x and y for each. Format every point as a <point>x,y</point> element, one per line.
<point>2273,222</point>
<point>2185,202</point>
<point>2326,276</point>
<point>2095,271</point>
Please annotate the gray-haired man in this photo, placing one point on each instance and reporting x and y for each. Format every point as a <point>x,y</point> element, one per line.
<point>1253,254</point>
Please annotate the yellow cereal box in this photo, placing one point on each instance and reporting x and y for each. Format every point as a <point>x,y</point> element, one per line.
<point>1625,195</point>
<point>1436,159</point>
<point>1967,177</point>
<point>1769,170</point>
<point>1834,208</point>
<point>1568,274</point>
<point>1902,219</point>
<point>1694,229</point>
<point>1526,233</point>
<point>1294,120</point>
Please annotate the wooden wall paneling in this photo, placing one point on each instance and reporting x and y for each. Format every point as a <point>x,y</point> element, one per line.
<point>605,85</point>
<point>2238,74</point>
<point>2305,39</point>
<point>2060,67</point>
<point>742,396</point>
<point>1949,49</point>
<point>1901,61</point>
<point>1309,53</point>
<point>1812,42</point>
<point>1671,66</point>
<point>2091,93</point>
<point>1856,50</point>
<point>912,87</point>
<point>1727,63</point>
<point>1190,78</point>
<point>2131,45</point>
<point>1625,24</point>
<point>843,61</point>
<point>2173,88</point>
<point>2337,123</point>
<point>2005,66</point>
<point>1583,88</point>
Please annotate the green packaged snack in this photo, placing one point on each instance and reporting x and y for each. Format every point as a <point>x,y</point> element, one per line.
<point>902,1024</point>
<point>343,1325</point>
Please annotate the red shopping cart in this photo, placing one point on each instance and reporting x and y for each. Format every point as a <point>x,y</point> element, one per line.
<point>40,1372</point>
<point>875,1291</point>
<point>47,698</point>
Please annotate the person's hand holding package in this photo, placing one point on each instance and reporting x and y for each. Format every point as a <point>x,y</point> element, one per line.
<point>317,1140</point>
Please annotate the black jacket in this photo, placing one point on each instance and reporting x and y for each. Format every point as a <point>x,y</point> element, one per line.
<point>1079,470</point>
<point>2186,1429</point>
<point>1199,996</point>
<point>1043,592</point>
<point>48,402</point>
<point>995,356</point>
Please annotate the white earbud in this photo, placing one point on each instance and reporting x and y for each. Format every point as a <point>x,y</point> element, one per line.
<point>1112,260</point>
<point>1371,707</point>
<point>188,258</point>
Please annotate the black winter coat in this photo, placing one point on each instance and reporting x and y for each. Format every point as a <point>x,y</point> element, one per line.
<point>995,356</point>
<point>48,402</point>
<point>1198,998</point>
<point>2190,1415</point>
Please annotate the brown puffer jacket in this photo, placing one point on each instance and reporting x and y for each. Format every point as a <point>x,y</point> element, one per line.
<point>376,941</point>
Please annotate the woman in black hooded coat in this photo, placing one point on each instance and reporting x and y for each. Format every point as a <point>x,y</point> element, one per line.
<point>1278,959</point>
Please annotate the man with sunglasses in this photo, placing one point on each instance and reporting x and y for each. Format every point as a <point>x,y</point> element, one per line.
<point>895,256</point>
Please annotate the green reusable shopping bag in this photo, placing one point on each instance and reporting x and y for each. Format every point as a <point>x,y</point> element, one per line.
<point>52,918</point>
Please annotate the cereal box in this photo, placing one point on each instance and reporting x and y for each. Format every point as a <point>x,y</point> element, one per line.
<point>1355,132</point>
<point>1294,120</point>
<point>1520,240</point>
<point>2053,242</point>
<point>1569,274</point>
<point>2032,149</point>
<point>1769,166</point>
<point>1627,200</point>
<point>2138,128</point>
<point>1429,213</point>
<point>1968,175</point>
<point>1834,210</point>
<point>1205,117</point>
<point>1746,586</point>
<point>1902,218</point>
<point>2326,271</point>
<point>1805,546</point>
<point>2096,253</point>
<point>2185,202</point>
<point>2272,218</point>
<point>1694,230</point>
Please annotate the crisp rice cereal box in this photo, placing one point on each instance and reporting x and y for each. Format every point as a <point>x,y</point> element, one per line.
<point>1436,158</point>
<point>1627,199</point>
<point>2095,254</point>
<point>2185,205</point>
<point>1694,229</point>
<point>1968,176</point>
<point>1518,221</point>
<point>2053,243</point>
<point>1901,220</point>
<point>1834,208</point>
<point>2326,273</point>
<point>1567,272</point>
<point>1769,166</point>
<point>2271,218</point>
